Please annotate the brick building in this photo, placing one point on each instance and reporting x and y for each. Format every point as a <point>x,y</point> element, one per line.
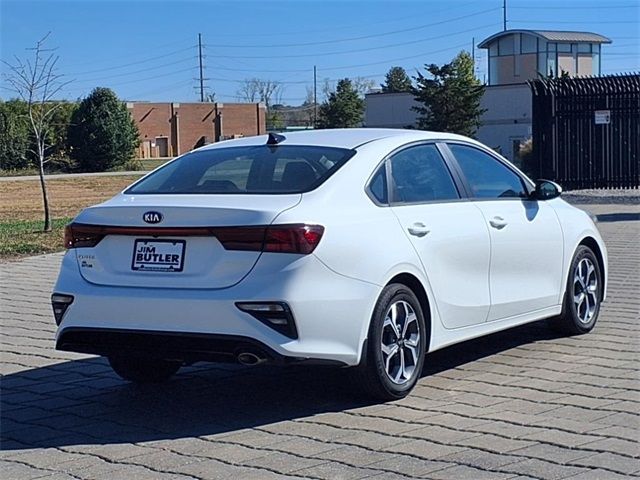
<point>169,129</point>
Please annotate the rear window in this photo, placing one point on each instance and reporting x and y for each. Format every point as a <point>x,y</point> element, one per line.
<point>249,169</point>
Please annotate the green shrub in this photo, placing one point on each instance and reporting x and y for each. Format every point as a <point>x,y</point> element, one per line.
<point>102,135</point>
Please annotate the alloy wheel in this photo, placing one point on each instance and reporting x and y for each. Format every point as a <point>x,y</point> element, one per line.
<point>585,290</point>
<point>400,342</point>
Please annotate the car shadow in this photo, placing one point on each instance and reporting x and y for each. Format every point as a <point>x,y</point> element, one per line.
<point>81,402</point>
<point>619,217</point>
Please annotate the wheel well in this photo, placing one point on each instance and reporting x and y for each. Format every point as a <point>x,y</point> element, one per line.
<point>416,287</point>
<point>593,245</point>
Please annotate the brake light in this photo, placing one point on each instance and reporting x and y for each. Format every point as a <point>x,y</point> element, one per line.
<point>293,238</point>
<point>77,236</point>
<point>296,238</point>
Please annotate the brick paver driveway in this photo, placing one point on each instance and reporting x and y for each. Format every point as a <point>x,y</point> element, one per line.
<point>518,404</point>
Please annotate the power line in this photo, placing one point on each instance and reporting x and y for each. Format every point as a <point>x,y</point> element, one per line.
<point>582,7</point>
<point>144,70</point>
<point>347,67</point>
<point>161,89</point>
<point>190,69</point>
<point>410,57</point>
<point>155,47</point>
<point>363,37</point>
<point>349,27</point>
<point>324,54</point>
<point>146,60</point>
<point>581,22</point>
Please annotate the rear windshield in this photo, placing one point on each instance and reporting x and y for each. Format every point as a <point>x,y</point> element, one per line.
<point>249,169</point>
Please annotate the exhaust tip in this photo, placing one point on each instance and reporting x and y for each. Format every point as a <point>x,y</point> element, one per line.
<point>250,358</point>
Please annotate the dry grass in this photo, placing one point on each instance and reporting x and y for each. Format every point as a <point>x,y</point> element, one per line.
<point>21,210</point>
<point>22,199</point>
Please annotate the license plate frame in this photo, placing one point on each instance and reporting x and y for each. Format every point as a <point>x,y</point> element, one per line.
<point>169,247</point>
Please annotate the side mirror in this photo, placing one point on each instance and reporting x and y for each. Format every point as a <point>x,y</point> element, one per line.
<point>546,190</point>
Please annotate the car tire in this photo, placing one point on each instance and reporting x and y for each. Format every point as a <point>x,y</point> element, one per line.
<point>395,348</point>
<point>583,295</point>
<point>144,370</point>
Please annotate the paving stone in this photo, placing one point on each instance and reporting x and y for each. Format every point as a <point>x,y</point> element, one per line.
<point>544,470</point>
<point>519,404</point>
<point>461,472</point>
<point>334,471</point>
<point>611,461</point>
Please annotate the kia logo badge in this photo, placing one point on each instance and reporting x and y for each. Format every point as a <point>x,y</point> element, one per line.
<point>152,217</point>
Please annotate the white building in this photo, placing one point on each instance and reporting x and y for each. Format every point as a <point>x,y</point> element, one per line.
<point>515,56</point>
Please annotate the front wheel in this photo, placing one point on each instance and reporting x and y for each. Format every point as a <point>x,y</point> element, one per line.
<point>144,370</point>
<point>396,345</point>
<point>583,295</point>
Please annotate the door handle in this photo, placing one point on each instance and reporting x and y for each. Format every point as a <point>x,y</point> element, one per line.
<point>418,229</point>
<point>498,222</point>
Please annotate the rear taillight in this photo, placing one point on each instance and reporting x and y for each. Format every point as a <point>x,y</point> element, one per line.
<point>296,238</point>
<point>77,236</point>
<point>240,238</point>
<point>293,238</point>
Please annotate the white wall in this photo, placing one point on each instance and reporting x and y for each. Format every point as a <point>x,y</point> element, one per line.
<point>507,119</point>
<point>389,110</point>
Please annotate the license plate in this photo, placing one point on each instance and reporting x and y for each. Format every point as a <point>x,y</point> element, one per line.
<point>158,255</point>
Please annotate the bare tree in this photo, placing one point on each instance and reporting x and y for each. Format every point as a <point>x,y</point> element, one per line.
<point>37,82</point>
<point>327,88</point>
<point>254,90</point>
<point>248,90</point>
<point>362,85</point>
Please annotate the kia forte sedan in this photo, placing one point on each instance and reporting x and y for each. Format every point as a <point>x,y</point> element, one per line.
<point>360,248</point>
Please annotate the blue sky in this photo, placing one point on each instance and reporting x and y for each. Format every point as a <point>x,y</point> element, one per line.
<point>147,50</point>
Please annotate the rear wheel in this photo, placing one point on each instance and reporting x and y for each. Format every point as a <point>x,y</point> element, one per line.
<point>583,295</point>
<point>395,346</point>
<point>144,370</point>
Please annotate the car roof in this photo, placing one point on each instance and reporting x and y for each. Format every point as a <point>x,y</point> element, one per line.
<point>341,137</point>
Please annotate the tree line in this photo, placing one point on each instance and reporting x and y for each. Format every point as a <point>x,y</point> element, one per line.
<point>448,98</point>
<point>93,135</point>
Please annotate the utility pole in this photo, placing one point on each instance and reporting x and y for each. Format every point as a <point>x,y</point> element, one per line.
<point>473,51</point>
<point>473,55</point>
<point>200,58</point>
<point>504,15</point>
<point>315,97</point>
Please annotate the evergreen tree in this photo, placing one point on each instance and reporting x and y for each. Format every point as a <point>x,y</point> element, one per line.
<point>102,134</point>
<point>396,81</point>
<point>14,135</point>
<point>450,99</point>
<point>343,109</point>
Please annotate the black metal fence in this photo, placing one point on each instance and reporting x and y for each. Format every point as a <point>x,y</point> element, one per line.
<point>586,131</point>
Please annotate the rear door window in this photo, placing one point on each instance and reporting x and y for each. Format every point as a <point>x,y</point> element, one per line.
<point>250,169</point>
<point>420,175</point>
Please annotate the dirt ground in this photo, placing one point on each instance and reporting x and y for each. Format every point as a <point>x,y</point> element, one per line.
<point>22,199</point>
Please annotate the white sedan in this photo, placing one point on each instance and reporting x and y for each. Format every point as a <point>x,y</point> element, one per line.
<point>360,248</point>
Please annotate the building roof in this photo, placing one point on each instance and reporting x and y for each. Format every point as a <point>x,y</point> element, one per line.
<point>551,36</point>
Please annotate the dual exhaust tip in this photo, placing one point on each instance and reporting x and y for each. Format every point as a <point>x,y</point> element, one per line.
<point>251,358</point>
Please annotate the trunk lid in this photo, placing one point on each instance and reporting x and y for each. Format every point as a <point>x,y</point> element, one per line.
<point>177,254</point>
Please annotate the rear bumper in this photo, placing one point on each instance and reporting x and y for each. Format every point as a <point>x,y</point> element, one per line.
<point>184,347</point>
<point>331,314</point>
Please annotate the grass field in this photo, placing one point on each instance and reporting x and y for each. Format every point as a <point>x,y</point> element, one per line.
<point>143,164</point>
<point>21,218</point>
